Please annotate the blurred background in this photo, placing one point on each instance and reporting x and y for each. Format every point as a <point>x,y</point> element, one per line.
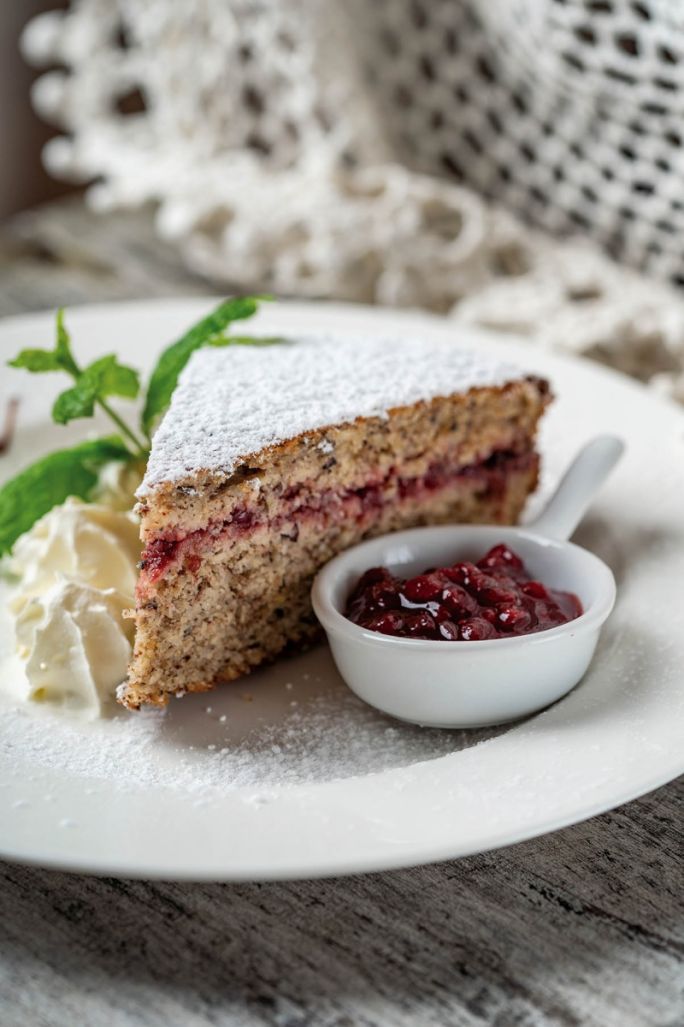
<point>516,164</point>
<point>23,179</point>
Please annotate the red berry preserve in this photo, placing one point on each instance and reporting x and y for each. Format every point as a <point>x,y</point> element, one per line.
<point>467,602</point>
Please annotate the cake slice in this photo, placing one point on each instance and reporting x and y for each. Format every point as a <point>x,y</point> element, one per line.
<point>272,459</point>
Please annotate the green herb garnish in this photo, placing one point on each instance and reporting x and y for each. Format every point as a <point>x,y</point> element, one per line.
<point>74,472</point>
<point>93,385</point>
<point>51,480</point>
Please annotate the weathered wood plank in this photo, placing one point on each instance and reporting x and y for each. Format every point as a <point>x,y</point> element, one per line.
<point>581,927</point>
<point>63,254</point>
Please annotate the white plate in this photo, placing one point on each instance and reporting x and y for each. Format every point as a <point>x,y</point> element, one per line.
<point>328,786</point>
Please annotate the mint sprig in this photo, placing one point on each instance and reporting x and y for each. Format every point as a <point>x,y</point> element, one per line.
<point>93,385</point>
<point>73,472</point>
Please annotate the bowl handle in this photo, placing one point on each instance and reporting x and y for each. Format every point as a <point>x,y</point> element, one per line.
<point>578,486</point>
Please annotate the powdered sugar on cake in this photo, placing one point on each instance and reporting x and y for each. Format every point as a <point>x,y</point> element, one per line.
<point>234,401</point>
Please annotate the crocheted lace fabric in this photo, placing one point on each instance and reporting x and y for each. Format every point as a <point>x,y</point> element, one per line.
<point>398,152</point>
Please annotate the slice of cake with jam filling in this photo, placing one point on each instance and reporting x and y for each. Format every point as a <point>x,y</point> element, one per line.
<point>271,460</point>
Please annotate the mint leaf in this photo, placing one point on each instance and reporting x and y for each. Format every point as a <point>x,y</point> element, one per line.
<point>63,345</point>
<point>49,481</point>
<point>73,403</point>
<point>121,381</point>
<point>58,359</point>
<point>110,378</point>
<point>36,361</point>
<point>175,357</point>
<point>104,377</point>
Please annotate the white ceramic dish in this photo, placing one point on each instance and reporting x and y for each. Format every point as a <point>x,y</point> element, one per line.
<point>330,786</point>
<point>476,684</point>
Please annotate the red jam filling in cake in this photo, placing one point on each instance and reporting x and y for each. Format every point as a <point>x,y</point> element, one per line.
<point>301,505</point>
<point>467,602</point>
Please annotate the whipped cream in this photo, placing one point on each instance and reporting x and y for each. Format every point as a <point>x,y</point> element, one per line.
<point>76,571</point>
<point>77,643</point>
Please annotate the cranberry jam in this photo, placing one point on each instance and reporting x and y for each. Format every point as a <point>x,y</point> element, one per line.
<point>493,598</point>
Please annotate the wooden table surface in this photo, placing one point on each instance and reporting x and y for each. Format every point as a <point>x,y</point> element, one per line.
<point>584,926</point>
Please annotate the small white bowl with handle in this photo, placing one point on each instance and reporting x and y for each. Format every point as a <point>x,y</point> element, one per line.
<point>473,684</point>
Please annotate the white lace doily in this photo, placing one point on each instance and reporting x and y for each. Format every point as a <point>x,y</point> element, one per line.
<point>327,149</point>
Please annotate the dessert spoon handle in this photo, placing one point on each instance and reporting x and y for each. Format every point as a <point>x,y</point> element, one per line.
<point>578,486</point>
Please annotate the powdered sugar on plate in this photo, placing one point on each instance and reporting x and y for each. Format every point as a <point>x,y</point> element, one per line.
<point>234,401</point>
<point>293,723</point>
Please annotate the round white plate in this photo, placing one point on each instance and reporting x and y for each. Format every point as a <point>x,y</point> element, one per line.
<point>287,774</point>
